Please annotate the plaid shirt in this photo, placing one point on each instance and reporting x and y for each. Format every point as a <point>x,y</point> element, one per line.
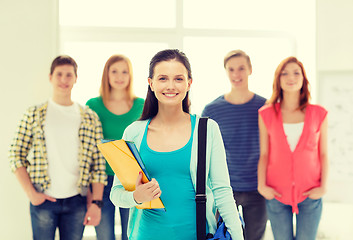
<point>28,149</point>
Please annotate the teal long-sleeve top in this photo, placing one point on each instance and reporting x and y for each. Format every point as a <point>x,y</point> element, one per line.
<point>169,169</point>
<point>218,189</point>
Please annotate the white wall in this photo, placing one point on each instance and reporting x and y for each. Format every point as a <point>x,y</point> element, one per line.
<point>334,35</point>
<point>28,44</point>
<point>335,80</point>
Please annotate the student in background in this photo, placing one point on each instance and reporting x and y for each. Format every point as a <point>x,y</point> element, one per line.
<point>55,158</point>
<point>166,137</point>
<point>117,107</point>
<point>293,163</point>
<point>236,113</point>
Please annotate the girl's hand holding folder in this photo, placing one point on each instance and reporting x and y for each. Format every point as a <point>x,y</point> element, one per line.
<point>146,192</point>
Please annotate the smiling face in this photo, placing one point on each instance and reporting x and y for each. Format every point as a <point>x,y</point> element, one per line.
<point>291,78</point>
<point>63,79</point>
<point>170,82</point>
<point>238,71</point>
<point>118,75</point>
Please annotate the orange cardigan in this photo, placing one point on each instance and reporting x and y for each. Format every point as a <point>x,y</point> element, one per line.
<point>293,173</point>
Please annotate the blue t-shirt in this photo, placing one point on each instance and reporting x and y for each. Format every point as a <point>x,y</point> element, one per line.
<point>172,171</point>
<point>239,127</point>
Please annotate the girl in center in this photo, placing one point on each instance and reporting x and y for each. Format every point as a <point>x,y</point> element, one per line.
<point>166,137</point>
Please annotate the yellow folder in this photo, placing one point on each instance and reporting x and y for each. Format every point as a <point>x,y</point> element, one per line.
<point>126,168</point>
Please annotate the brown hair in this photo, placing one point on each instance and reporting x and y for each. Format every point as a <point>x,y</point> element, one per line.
<point>277,94</point>
<point>63,60</point>
<point>150,109</point>
<point>105,88</point>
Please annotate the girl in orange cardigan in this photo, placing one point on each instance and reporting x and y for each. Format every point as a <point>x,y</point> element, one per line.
<point>293,165</point>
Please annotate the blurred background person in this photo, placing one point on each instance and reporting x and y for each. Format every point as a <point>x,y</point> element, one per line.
<point>55,158</point>
<point>236,113</point>
<point>293,163</point>
<point>117,107</point>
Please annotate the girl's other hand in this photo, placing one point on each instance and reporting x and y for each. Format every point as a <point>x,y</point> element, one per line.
<point>146,192</point>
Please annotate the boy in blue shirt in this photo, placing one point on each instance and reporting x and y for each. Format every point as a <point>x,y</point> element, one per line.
<point>236,113</point>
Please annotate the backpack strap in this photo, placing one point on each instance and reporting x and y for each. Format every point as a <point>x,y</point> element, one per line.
<point>200,197</point>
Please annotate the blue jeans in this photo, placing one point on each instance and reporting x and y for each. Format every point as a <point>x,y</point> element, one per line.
<point>254,213</point>
<point>66,214</point>
<point>281,218</point>
<point>105,230</point>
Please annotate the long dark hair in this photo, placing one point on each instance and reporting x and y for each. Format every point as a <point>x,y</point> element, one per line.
<point>150,109</point>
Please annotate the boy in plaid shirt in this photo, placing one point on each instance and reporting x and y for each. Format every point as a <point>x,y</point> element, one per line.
<point>55,158</point>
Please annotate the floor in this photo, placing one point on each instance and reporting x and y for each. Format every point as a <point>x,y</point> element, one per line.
<point>336,224</point>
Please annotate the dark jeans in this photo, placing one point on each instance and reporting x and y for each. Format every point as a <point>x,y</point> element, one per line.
<point>106,230</point>
<point>254,214</point>
<point>66,214</point>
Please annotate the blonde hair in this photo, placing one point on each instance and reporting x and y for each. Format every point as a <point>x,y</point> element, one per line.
<point>237,53</point>
<point>105,89</point>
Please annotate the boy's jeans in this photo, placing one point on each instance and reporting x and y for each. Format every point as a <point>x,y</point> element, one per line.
<point>66,214</point>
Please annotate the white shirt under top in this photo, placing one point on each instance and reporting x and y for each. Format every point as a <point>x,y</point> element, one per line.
<point>293,132</point>
<point>61,128</point>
